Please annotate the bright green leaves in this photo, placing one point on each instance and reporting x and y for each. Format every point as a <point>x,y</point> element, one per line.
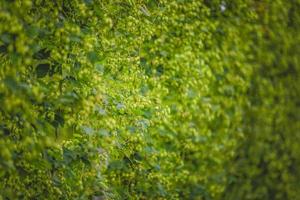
<point>109,76</point>
<point>137,99</point>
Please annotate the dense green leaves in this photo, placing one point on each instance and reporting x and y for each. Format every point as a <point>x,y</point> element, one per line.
<point>179,99</point>
<point>267,162</point>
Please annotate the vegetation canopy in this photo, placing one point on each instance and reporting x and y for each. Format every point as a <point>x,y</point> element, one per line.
<point>149,99</point>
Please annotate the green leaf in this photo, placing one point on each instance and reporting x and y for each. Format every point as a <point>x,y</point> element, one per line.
<point>42,70</point>
<point>42,54</point>
<point>93,56</point>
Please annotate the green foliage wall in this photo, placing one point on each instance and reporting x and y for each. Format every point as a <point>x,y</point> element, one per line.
<point>138,99</point>
<point>267,164</point>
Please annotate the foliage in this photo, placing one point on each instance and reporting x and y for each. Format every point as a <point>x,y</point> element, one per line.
<point>147,99</point>
<point>267,165</point>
